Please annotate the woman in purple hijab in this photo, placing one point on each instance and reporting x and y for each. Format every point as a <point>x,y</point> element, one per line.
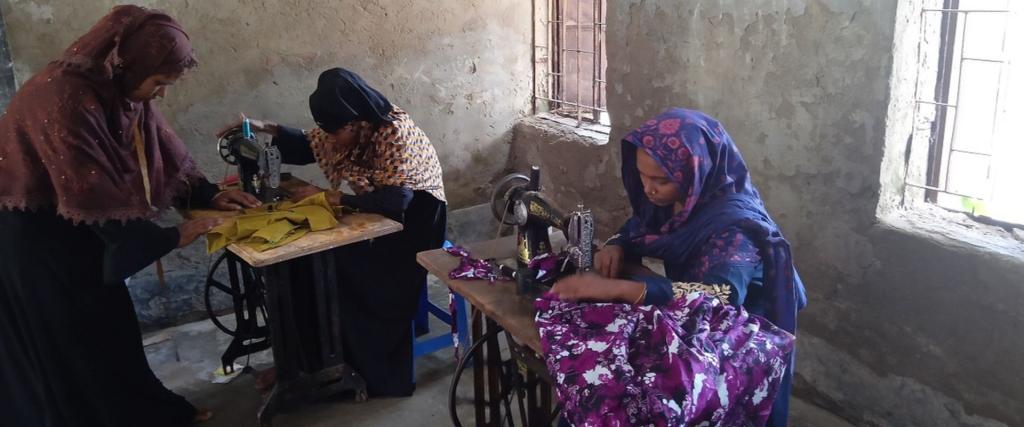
<point>696,209</point>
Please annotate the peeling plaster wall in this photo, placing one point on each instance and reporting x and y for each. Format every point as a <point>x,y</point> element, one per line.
<point>460,68</point>
<point>905,326</point>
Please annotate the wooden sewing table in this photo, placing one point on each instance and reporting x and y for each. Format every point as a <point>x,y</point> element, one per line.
<point>497,307</point>
<point>266,279</point>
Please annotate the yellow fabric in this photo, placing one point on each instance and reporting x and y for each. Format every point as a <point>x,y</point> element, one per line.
<point>140,151</point>
<point>274,225</point>
<point>397,153</point>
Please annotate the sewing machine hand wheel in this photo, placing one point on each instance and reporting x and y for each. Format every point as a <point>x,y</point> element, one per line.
<point>245,288</point>
<point>501,205</point>
<point>224,146</point>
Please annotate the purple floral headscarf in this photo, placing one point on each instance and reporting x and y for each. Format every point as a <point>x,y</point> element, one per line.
<point>703,162</point>
<point>698,156</point>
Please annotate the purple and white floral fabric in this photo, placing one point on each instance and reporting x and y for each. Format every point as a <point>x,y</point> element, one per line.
<point>694,362</point>
<point>471,268</point>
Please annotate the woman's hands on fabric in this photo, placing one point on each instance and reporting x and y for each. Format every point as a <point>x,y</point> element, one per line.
<point>608,261</point>
<point>257,126</point>
<point>594,288</point>
<point>190,230</point>
<point>234,200</point>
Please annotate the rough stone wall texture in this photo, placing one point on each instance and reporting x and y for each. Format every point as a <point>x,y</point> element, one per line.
<point>804,86</point>
<point>460,68</point>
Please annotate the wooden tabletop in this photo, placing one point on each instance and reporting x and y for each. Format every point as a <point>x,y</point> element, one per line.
<point>351,228</point>
<point>498,301</point>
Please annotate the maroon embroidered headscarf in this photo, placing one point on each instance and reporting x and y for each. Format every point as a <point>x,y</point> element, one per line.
<point>66,140</point>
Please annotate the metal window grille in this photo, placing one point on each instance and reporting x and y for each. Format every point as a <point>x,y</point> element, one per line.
<point>570,59</point>
<point>956,156</point>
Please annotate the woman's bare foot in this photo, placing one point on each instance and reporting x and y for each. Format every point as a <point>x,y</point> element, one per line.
<point>265,379</point>
<point>202,415</point>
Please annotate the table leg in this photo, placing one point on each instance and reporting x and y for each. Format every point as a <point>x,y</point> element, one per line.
<point>545,402</point>
<point>494,375</point>
<point>298,377</point>
<point>479,401</point>
<point>276,279</point>
<point>531,399</point>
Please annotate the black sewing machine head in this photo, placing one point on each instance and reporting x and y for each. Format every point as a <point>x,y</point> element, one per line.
<point>517,201</point>
<point>259,163</point>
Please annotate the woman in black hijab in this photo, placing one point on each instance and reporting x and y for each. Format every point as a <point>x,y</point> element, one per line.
<point>373,147</point>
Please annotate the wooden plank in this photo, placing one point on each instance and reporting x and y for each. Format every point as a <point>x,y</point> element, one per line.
<point>351,228</point>
<point>498,300</point>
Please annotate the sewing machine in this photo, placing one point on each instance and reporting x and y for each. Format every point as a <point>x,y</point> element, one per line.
<point>517,201</point>
<point>259,162</point>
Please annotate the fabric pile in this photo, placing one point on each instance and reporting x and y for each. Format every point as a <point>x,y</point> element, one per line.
<point>274,225</point>
<point>694,362</point>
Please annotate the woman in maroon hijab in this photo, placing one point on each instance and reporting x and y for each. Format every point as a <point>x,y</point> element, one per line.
<point>86,161</point>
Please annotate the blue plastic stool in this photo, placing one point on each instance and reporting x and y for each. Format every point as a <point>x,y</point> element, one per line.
<point>428,345</point>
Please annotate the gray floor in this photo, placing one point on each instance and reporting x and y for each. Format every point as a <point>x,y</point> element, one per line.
<point>186,357</point>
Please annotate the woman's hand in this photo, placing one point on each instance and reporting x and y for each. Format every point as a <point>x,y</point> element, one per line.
<point>608,261</point>
<point>257,126</point>
<point>190,230</point>
<point>594,288</point>
<point>234,200</point>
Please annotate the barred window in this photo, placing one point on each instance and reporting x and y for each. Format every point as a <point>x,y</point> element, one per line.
<point>968,133</point>
<point>570,60</point>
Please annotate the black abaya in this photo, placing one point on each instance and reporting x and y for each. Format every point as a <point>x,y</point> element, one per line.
<point>71,346</point>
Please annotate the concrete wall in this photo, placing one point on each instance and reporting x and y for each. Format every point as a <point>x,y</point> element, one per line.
<point>914,317</point>
<point>575,169</point>
<point>904,327</point>
<point>461,68</point>
<point>6,68</point>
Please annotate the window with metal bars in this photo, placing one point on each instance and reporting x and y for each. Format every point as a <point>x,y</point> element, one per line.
<point>570,59</point>
<point>968,133</point>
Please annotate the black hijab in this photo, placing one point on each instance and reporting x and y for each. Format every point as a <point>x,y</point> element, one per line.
<point>341,97</point>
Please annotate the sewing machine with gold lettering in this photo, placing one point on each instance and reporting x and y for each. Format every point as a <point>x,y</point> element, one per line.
<point>517,201</point>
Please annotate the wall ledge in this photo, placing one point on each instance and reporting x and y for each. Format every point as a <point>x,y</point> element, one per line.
<point>588,134</point>
<point>954,229</point>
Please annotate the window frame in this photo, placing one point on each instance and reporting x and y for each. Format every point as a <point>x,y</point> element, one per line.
<point>936,169</point>
<point>551,64</point>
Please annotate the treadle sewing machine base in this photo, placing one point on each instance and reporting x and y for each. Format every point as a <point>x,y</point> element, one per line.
<point>305,370</point>
<point>293,288</point>
<point>497,309</point>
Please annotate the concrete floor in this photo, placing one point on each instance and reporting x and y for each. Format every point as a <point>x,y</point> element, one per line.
<point>186,356</point>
